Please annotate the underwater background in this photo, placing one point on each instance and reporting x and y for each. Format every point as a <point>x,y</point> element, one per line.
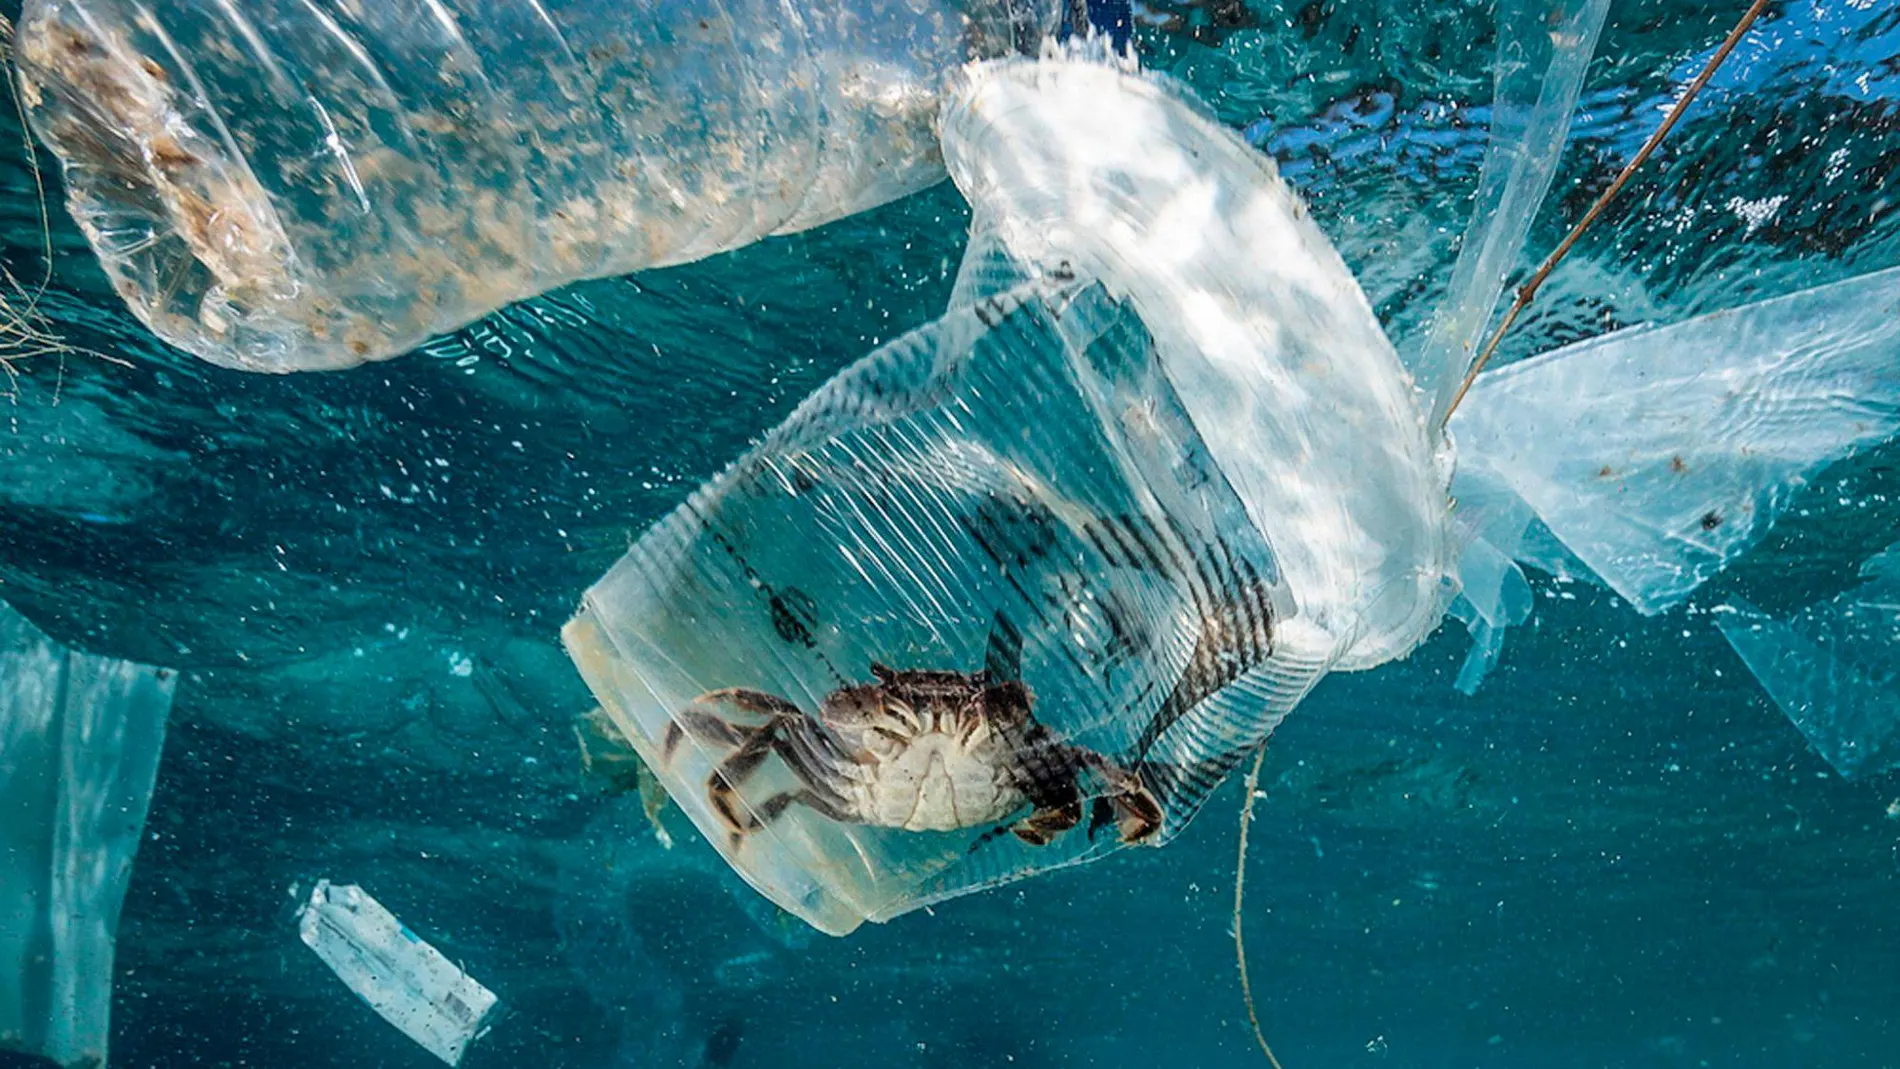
<point>1619,852</point>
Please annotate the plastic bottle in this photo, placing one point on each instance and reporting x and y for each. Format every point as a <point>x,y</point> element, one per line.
<point>296,184</point>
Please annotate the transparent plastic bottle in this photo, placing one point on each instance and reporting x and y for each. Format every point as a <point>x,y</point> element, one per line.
<point>292,184</point>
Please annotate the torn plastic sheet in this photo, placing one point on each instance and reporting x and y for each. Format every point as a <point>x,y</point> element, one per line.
<point>1834,668</point>
<point>1493,594</point>
<point>79,748</point>
<point>1500,534</point>
<point>282,185</point>
<point>1544,49</point>
<point>1658,455</point>
<point>405,980</point>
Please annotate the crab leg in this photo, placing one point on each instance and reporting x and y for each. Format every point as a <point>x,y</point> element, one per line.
<point>775,807</point>
<point>811,755</point>
<point>751,701</point>
<point>1042,826</point>
<point>705,726</point>
<point>812,795</point>
<point>711,726</point>
<point>1138,813</point>
<point>722,787</point>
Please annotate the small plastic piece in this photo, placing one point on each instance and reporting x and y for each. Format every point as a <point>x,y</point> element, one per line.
<point>79,747</point>
<point>284,184</point>
<point>405,980</point>
<point>1834,668</point>
<point>1493,597</point>
<point>1658,455</point>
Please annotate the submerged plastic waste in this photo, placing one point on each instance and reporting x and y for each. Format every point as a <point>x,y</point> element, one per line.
<point>1544,50</point>
<point>405,980</point>
<point>1650,458</point>
<point>1021,587</point>
<point>1032,566</point>
<point>1834,668</point>
<point>905,517</point>
<point>285,185</point>
<point>79,747</point>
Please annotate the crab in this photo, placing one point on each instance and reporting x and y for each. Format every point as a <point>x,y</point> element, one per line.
<point>914,750</point>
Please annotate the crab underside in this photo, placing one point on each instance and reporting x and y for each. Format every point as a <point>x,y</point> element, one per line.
<point>918,751</point>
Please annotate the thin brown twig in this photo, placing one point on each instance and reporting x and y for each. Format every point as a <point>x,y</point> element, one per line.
<point>1529,289</point>
<point>1240,893</point>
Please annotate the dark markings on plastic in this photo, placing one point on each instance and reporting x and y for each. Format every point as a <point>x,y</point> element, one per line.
<point>802,481</point>
<point>1137,529</point>
<point>1003,660</point>
<point>991,311</point>
<point>1236,636</point>
<point>794,614</point>
<point>1015,532</point>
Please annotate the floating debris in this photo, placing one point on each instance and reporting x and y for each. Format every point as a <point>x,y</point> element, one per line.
<point>79,745</point>
<point>1834,668</point>
<point>405,980</point>
<point>286,186</point>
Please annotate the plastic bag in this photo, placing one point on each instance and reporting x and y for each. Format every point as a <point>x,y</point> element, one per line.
<point>286,185</point>
<point>1078,166</point>
<point>79,747</point>
<point>1544,49</point>
<point>1077,586</point>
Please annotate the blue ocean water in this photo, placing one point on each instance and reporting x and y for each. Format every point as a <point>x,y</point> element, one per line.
<point>1617,853</point>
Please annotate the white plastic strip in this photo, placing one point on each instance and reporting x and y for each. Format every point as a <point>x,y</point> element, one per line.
<point>405,980</point>
<point>1659,455</point>
<point>1544,48</point>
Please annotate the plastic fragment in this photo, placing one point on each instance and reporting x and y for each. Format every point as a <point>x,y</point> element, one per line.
<point>1658,455</point>
<point>1544,49</point>
<point>907,516</point>
<point>1834,668</point>
<point>79,746</point>
<point>405,980</point>
<point>1076,166</point>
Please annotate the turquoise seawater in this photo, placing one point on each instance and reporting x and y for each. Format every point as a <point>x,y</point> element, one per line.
<point>1619,852</point>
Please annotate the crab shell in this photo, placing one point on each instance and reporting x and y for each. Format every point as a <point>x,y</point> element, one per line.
<point>936,751</point>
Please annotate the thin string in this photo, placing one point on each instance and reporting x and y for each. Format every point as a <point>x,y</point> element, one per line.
<point>1240,894</point>
<point>1529,289</point>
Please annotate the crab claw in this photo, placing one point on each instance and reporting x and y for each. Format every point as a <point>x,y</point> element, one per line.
<point>1041,827</point>
<point>1137,810</point>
